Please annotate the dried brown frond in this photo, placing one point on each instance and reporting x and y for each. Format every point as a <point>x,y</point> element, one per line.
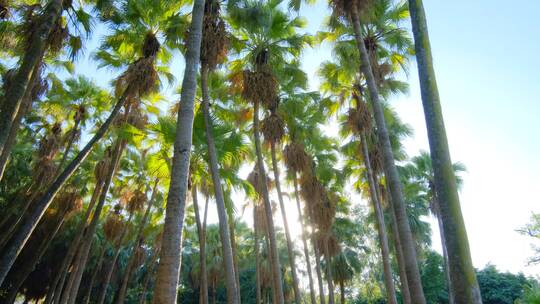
<point>253,179</point>
<point>125,196</point>
<point>69,203</point>
<point>376,158</point>
<point>138,119</point>
<point>359,120</point>
<point>261,86</point>
<point>39,88</point>
<point>58,35</point>
<point>327,241</point>
<point>102,166</point>
<point>136,202</point>
<point>295,157</point>
<point>113,227</point>
<point>324,212</point>
<point>140,79</point>
<point>44,172</point>
<point>215,40</point>
<point>150,46</point>
<point>273,128</point>
<point>343,8</point>
<point>50,144</point>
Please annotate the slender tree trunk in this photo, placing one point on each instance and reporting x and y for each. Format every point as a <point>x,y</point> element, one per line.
<point>322,297</point>
<point>290,248</point>
<point>32,57</point>
<point>25,106</point>
<point>329,276</point>
<point>120,299</point>
<point>29,265</point>
<point>13,248</point>
<point>445,257</point>
<point>381,227</point>
<point>165,289</point>
<point>86,297</point>
<point>70,294</point>
<point>405,294</point>
<point>55,290</point>
<point>304,242</point>
<point>405,235</point>
<point>230,277</point>
<point>69,145</point>
<point>276,268</point>
<point>103,292</point>
<point>257,260</point>
<point>462,275</point>
<point>203,291</point>
<point>234,253</point>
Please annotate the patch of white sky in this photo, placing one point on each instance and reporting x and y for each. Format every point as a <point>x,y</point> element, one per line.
<point>487,75</point>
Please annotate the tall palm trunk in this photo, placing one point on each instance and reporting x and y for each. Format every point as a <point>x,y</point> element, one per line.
<point>86,297</point>
<point>290,248</point>
<point>464,285</point>
<point>234,252</point>
<point>55,289</point>
<point>112,265</point>
<point>69,145</point>
<point>230,277</point>
<point>381,227</point>
<point>276,268</point>
<point>445,257</point>
<point>120,299</point>
<point>304,242</point>
<point>405,235</point>
<point>24,108</point>
<point>70,294</point>
<point>32,57</point>
<point>329,276</point>
<point>257,260</point>
<point>322,298</point>
<point>165,289</point>
<point>57,285</point>
<point>29,264</point>
<point>405,294</point>
<point>203,291</point>
<point>9,254</point>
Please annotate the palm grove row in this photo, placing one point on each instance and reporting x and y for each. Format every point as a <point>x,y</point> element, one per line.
<point>100,188</point>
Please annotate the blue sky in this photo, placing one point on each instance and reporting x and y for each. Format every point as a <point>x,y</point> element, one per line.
<point>485,56</point>
<point>485,59</point>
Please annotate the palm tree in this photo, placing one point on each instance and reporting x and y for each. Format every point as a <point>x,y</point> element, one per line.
<point>464,286</point>
<point>137,245</point>
<point>165,289</point>
<point>352,9</point>
<point>44,33</point>
<point>420,171</point>
<point>213,50</point>
<point>268,37</point>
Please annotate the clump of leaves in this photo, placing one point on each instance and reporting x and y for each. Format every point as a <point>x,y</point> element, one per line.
<point>113,225</point>
<point>261,86</point>
<point>215,41</point>
<point>273,128</point>
<point>296,158</point>
<point>136,202</point>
